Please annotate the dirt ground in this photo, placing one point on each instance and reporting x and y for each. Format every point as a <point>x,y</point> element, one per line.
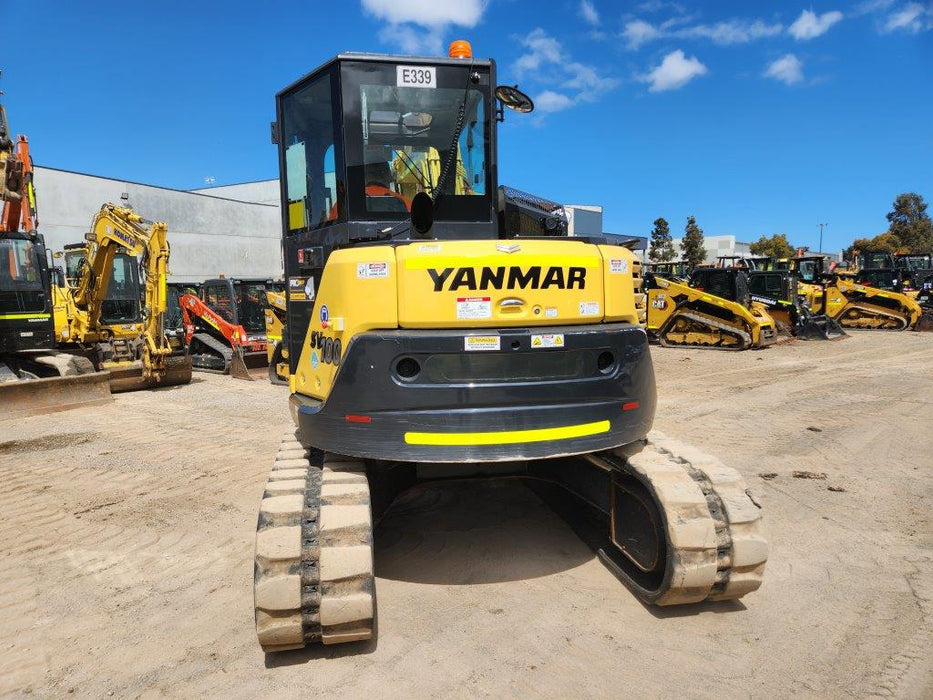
<point>127,538</point>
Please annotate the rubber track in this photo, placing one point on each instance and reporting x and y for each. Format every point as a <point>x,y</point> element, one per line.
<point>870,312</point>
<point>313,574</point>
<point>714,528</point>
<point>744,337</point>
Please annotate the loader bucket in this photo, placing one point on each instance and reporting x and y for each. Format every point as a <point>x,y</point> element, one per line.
<point>33,397</point>
<point>238,368</point>
<point>924,324</point>
<point>819,327</point>
<point>130,376</point>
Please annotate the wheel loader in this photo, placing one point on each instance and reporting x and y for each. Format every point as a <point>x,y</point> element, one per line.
<point>714,310</point>
<point>428,344</point>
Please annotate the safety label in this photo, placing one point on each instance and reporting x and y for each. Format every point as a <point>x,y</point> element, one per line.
<point>371,270</point>
<point>481,342</point>
<point>474,307</point>
<point>429,248</point>
<point>550,312</point>
<point>589,308</point>
<point>549,340</point>
<point>618,267</point>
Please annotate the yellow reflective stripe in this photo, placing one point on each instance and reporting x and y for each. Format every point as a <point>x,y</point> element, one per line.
<point>441,261</point>
<point>508,437</point>
<point>15,317</point>
<point>273,337</point>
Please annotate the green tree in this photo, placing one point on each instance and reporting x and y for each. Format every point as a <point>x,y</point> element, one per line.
<point>776,246</point>
<point>882,243</point>
<point>662,246</point>
<point>911,224</point>
<point>692,244</point>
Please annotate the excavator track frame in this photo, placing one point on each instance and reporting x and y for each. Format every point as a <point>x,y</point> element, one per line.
<point>870,311</point>
<point>313,573</point>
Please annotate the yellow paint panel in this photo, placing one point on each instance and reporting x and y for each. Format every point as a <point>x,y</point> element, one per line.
<point>499,260</point>
<point>296,215</point>
<point>508,437</point>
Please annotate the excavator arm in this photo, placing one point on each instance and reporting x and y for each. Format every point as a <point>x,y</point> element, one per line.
<point>116,229</point>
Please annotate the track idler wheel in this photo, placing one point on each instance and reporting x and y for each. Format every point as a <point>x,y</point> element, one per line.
<point>685,529</point>
<point>313,573</point>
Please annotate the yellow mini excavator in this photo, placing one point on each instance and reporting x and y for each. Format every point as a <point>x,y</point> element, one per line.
<point>102,311</point>
<point>428,341</point>
<point>713,310</point>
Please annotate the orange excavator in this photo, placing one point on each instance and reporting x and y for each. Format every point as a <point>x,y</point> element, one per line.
<point>215,344</point>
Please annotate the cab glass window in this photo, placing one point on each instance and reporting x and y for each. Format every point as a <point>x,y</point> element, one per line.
<point>19,266</point>
<point>308,138</point>
<point>403,130</point>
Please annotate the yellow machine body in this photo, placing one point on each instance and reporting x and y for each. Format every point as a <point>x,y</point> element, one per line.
<point>679,314</point>
<point>463,285</point>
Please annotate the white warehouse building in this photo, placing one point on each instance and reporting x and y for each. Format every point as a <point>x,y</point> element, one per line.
<point>717,246</point>
<point>233,230</point>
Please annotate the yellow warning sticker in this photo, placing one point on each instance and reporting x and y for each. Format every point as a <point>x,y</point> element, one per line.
<point>548,340</point>
<point>481,342</point>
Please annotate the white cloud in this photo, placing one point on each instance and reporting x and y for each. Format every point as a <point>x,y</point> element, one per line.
<point>418,26</point>
<point>811,25</point>
<point>734,31</point>
<point>588,13</point>
<point>675,71</point>
<point>913,18</point>
<point>788,69</point>
<point>546,60</point>
<point>638,32</point>
<point>427,13</point>
<point>550,101</point>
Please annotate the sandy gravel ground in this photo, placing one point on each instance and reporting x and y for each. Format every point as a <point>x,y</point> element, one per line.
<point>127,538</point>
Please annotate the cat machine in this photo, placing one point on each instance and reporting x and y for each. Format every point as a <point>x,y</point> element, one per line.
<point>714,310</point>
<point>427,343</point>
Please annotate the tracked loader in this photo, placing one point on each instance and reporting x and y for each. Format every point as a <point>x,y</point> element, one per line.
<point>429,344</point>
<point>714,310</point>
<point>777,291</point>
<point>856,306</point>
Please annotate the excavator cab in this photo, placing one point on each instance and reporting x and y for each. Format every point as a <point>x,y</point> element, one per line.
<point>25,299</point>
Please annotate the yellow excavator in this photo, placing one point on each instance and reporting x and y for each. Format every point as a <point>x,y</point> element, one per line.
<point>852,305</point>
<point>714,310</point>
<point>431,340</point>
<point>105,312</point>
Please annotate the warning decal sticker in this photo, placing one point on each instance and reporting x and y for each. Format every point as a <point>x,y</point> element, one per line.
<point>618,267</point>
<point>549,340</point>
<point>372,270</point>
<point>474,307</point>
<point>481,342</point>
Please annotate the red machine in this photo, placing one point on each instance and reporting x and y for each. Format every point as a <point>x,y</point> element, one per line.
<point>216,344</point>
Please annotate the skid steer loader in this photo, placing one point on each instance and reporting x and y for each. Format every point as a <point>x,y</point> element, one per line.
<point>777,291</point>
<point>428,344</point>
<point>714,310</point>
<point>856,306</point>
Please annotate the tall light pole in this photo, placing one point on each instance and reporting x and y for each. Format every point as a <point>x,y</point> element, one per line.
<point>821,235</point>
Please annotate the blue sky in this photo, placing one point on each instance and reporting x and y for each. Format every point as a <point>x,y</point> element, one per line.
<point>756,117</point>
